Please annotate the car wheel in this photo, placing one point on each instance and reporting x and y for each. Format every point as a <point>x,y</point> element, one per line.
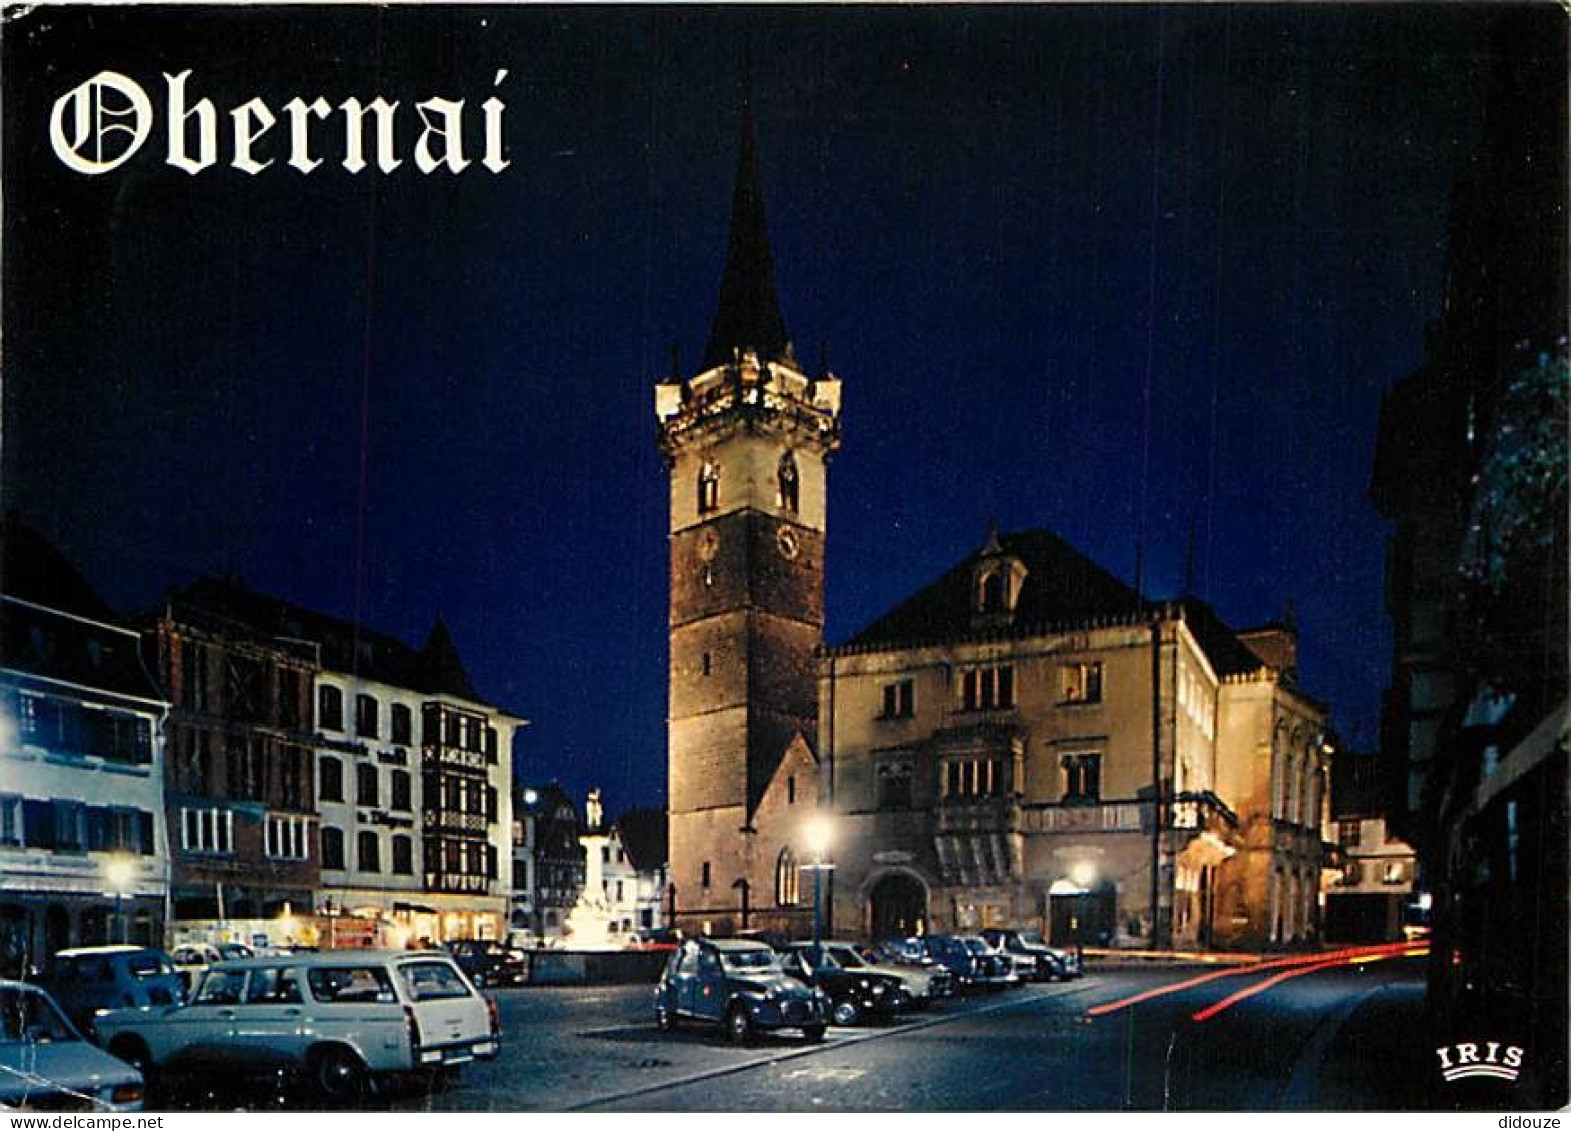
<point>340,1075</point>
<point>739,1025</point>
<point>846,1013</point>
<point>813,1033</point>
<point>134,1052</point>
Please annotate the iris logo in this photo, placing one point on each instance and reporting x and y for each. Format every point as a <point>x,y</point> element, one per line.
<point>1461,1061</point>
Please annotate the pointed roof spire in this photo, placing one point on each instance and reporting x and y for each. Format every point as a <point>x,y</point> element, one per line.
<point>748,315</point>
<point>444,670</point>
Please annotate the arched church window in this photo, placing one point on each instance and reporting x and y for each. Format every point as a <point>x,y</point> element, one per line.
<point>787,879</point>
<point>790,493</point>
<point>708,488</point>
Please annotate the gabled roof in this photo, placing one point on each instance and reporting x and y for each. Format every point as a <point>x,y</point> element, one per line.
<point>645,835</point>
<point>1061,584</point>
<point>1062,587</point>
<point>221,602</point>
<point>53,626</point>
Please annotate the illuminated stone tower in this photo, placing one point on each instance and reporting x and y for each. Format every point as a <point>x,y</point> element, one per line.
<point>747,440</point>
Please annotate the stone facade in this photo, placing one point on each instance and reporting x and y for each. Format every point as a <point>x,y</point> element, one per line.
<point>1108,780</point>
<point>747,443</point>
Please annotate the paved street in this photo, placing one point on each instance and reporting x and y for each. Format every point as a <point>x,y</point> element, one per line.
<point>1347,1038</point>
<point>1342,1039</point>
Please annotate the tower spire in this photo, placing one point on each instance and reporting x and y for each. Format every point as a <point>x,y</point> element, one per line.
<point>748,315</point>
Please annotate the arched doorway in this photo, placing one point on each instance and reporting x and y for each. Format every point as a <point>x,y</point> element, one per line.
<point>898,904</point>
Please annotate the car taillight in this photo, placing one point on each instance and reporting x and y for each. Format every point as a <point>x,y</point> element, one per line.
<point>126,1094</point>
<point>412,1024</point>
<point>496,1018</point>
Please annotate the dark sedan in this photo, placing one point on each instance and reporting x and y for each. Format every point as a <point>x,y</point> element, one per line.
<point>487,962</point>
<point>856,994</point>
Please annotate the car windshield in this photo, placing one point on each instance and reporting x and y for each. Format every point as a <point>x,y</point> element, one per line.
<point>28,1016</point>
<point>147,965</point>
<point>975,946</point>
<point>847,957</point>
<point>1031,936</point>
<point>750,961</point>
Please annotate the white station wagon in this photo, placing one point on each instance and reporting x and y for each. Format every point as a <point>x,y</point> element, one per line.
<point>343,1018</point>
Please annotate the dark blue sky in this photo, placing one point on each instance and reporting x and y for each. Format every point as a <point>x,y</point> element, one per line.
<point>1102,270</point>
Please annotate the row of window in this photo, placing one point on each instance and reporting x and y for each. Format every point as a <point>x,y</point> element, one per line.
<point>66,726</point>
<point>74,826</point>
<point>251,689</point>
<point>992,688</point>
<point>439,725</point>
<point>368,852</point>
<point>248,767</point>
<point>368,789</point>
<point>986,777</point>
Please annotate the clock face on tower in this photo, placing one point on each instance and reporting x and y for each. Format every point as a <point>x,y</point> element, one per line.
<point>786,542</point>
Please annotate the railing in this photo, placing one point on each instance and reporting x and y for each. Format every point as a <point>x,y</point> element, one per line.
<point>980,815</point>
<point>455,757</point>
<point>453,821</point>
<point>1112,817</point>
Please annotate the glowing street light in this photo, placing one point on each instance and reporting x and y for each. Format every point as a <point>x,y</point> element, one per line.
<point>119,873</point>
<point>818,834</point>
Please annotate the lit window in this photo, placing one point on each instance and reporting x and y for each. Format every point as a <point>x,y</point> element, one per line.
<point>1083,682</point>
<point>1394,873</point>
<point>1349,833</point>
<point>708,488</point>
<point>787,879</point>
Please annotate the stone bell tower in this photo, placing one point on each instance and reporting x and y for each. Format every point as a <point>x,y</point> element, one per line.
<point>747,441</point>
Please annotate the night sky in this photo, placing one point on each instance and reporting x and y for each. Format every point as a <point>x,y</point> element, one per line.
<point>1118,272</point>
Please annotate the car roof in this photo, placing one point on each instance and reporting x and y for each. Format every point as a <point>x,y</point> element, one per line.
<point>99,951</point>
<point>738,944</point>
<point>328,958</point>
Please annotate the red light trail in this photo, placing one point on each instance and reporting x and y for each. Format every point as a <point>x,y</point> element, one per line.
<point>1290,967</point>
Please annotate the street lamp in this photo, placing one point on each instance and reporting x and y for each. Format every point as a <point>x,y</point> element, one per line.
<point>818,834</point>
<point>119,872</point>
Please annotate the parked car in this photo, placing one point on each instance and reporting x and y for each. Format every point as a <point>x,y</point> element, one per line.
<point>490,963</point>
<point>191,961</point>
<point>972,968</point>
<point>45,1065</point>
<point>88,979</point>
<point>739,985</point>
<point>656,938</point>
<point>855,995</point>
<point>921,985</point>
<point>994,971</point>
<point>343,1020</point>
<point>1032,957</point>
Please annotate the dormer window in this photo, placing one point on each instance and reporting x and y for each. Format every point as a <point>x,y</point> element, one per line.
<point>790,492</point>
<point>708,488</point>
<point>996,581</point>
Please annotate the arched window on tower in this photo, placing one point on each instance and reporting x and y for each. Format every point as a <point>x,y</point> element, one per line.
<point>790,492</point>
<point>708,488</point>
<point>787,879</point>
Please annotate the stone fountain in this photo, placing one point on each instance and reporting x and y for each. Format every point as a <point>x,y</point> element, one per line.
<point>588,924</point>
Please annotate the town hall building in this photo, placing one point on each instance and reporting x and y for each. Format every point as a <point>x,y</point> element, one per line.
<point>1025,742</point>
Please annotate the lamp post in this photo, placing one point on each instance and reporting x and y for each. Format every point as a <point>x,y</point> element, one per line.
<point>118,872</point>
<point>817,835</point>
